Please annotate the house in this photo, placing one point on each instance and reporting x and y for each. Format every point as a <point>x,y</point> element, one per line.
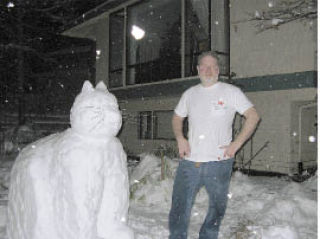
<point>147,51</point>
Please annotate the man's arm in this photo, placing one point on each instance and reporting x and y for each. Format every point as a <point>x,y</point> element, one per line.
<point>251,120</point>
<point>183,144</point>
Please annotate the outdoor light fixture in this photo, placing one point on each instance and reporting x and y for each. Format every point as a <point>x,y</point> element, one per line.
<point>137,32</point>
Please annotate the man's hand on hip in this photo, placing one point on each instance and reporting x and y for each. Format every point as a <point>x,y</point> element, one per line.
<point>230,150</point>
<point>184,147</point>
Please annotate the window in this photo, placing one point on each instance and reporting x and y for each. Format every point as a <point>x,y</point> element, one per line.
<point>162,125</point>
<point>152,40</point>
<point>156,56</point>
<point>116,49</point>
<point>157,125</point>
<point>145,125</point>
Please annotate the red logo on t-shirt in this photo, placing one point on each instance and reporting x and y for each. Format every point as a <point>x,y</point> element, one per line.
<point>220,102</point>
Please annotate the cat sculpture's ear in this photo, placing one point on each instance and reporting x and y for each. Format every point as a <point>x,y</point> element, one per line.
<point>87,87</point>
<point>101,86</point>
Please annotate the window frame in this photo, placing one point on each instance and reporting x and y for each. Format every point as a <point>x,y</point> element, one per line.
<point>123,65</point>
<point>153,127</point>
<point>142,114</point>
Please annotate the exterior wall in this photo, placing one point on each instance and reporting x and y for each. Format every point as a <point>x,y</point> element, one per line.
<point>274,107</point>
<point>291,48</point>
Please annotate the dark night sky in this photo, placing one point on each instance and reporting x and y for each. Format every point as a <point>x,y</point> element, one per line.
<point>28,33</point>
<point>40,17</point>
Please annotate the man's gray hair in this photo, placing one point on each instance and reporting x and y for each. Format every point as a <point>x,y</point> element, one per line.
<point>208,53</point>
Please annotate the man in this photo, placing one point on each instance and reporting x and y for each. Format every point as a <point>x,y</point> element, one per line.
<point>208,154</point>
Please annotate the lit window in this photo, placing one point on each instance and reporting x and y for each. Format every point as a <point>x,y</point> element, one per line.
<point>155,56</point>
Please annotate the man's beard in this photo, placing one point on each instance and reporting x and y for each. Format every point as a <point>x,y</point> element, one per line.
<point>208,80</point>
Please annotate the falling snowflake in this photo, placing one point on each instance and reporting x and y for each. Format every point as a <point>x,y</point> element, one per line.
<point>10,5</point>
<point>312,139</point>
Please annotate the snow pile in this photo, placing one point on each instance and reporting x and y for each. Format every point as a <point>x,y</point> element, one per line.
<point>258,207</point>
<point>273,207</point>
<point>16,138</point>
<point>146,186</point>
<point>312,183</point>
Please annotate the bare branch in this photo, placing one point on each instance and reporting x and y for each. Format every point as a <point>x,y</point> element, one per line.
<point>284,12</point>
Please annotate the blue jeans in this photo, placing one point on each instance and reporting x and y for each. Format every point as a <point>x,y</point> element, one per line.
<point>215,177</point>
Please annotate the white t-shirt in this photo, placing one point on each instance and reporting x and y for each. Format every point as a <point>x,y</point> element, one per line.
<point>210,112</point>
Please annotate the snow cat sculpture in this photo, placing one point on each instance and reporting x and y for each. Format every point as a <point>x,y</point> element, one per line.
<point>74,184</point>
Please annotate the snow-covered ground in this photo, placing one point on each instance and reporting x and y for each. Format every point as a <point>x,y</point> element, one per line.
<point>258,207</point>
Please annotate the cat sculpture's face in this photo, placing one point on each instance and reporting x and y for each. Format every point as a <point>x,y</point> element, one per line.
<point>95,112</point>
